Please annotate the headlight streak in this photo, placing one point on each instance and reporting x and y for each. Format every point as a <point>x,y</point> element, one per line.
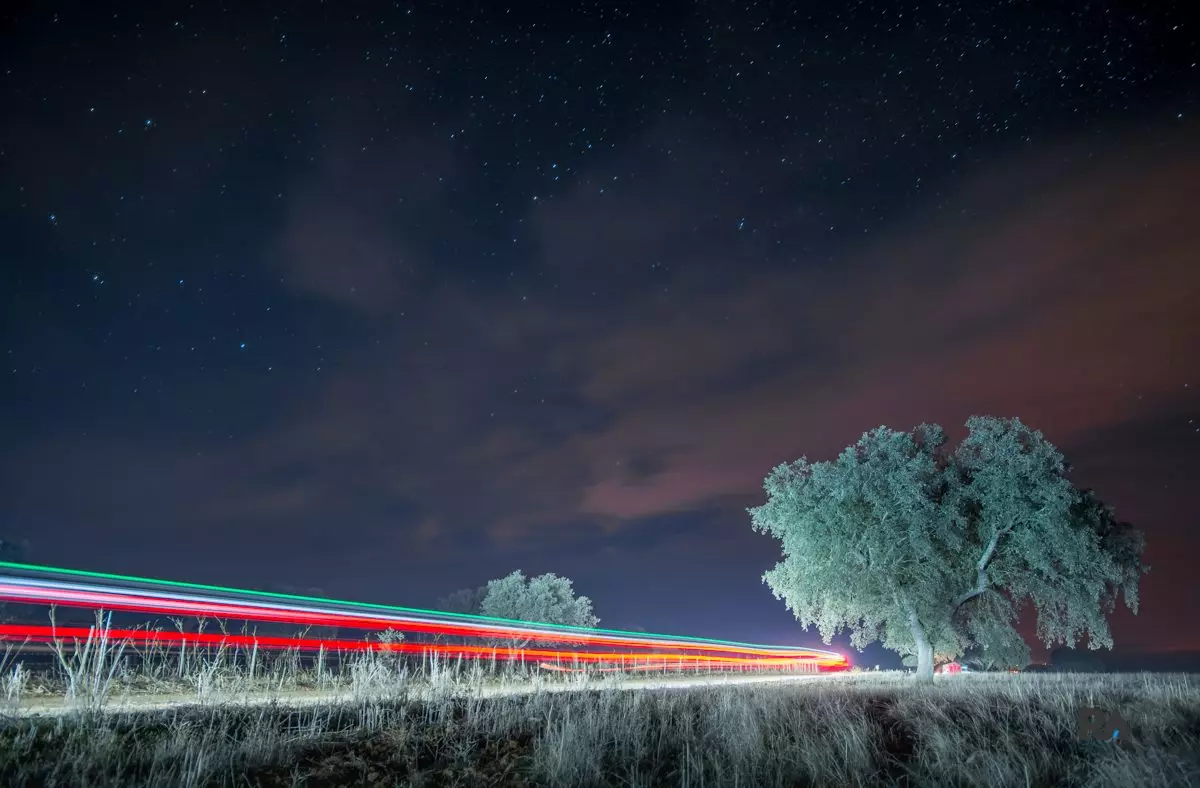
<point>650,652</point>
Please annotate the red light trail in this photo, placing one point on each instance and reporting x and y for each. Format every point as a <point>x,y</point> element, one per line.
<point>603,649</point>
<point>50,634</point>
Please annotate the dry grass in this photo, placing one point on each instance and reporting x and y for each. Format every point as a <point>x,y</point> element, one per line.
<point>401,722</point>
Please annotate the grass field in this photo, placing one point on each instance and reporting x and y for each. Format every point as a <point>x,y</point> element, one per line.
<point>378,721</point>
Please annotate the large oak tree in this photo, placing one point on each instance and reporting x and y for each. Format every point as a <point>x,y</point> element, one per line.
<point>925,549</point>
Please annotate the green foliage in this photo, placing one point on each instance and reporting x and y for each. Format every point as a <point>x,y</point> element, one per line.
<point>464,600</point>
<point>14,552</point>
<point>931,551</point>
<point>1001,649</point>
<point>547,599</point>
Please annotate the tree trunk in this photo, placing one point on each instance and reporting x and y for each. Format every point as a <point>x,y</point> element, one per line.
<point>924,648</point>
<point>924,661</point>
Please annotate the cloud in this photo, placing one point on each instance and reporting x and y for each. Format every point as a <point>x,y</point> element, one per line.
<point>1016,298</point>
<point>1056,291</point>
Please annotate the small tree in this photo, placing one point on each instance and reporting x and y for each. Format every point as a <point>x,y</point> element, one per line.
<point>930,551</point>
<point>464,600</point>
<point>545,599</point>
<point>13,552</point>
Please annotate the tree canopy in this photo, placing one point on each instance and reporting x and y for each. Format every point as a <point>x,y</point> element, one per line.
<point>464,600</point>
<point>545,599</point>
<point>14,552</point>
<point>925,549</point>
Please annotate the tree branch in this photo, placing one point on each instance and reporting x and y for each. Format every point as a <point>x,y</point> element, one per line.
<point>981,578</point>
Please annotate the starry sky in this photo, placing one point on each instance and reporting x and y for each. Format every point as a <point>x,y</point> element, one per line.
<point>388,299</point>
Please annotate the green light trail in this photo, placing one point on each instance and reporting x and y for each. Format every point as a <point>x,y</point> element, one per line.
<point>377,607</point>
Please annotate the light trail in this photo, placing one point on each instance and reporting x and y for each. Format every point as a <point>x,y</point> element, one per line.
<point>52,634</point>
<point>161,598</point>
<point>127,582</point>
<point>93,597</point>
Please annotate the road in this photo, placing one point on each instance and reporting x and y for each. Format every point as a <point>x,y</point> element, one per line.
<point>57,705</point>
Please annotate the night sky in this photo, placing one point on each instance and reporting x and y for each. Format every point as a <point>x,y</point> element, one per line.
<point>390,299</point>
